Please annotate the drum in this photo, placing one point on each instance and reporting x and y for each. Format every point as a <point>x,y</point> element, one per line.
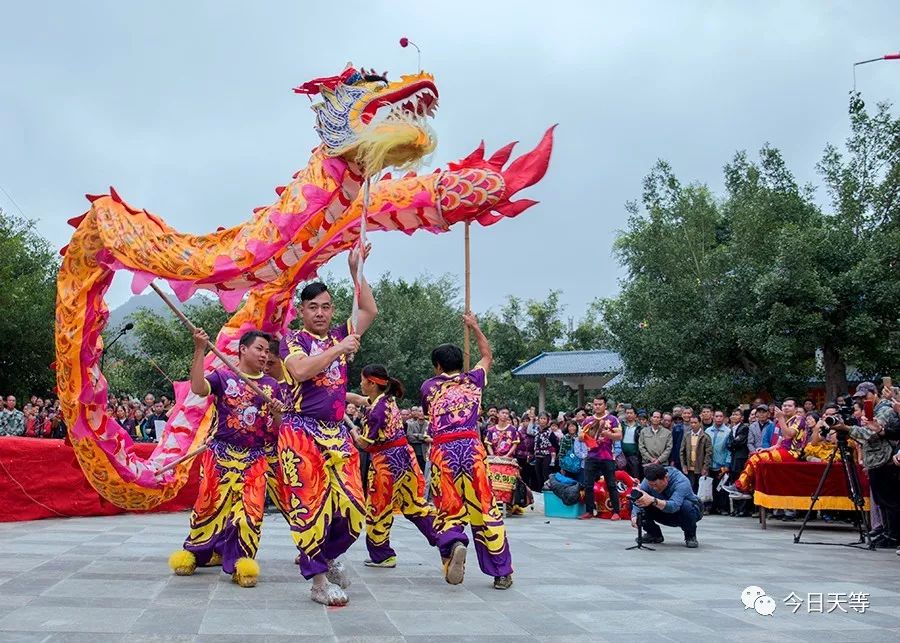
<point>503,473</point>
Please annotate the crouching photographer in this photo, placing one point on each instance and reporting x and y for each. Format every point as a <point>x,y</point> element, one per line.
<point>666,498</point>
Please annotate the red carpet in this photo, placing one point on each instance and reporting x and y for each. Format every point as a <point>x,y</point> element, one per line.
<point>54,486</point>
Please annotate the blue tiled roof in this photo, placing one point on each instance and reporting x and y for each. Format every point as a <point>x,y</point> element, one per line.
<point>560,363</point>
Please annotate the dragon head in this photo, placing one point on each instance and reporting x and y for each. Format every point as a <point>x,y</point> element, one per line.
<point>373,122</point>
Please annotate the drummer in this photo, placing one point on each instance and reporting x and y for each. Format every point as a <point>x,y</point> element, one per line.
<point>501,441</point>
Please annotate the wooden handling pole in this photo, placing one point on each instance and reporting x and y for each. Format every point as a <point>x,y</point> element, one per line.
<point>184,458</point>
<point>225,360</point>
<point>467,351</point>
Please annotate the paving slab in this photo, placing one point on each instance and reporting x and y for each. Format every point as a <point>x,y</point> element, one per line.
<point>106,579</point>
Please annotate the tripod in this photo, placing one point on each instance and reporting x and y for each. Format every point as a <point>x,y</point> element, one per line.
<point>854,492</point>
<point>640,529</point>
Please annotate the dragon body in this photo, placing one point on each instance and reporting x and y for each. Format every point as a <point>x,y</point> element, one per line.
<point>254,268</point>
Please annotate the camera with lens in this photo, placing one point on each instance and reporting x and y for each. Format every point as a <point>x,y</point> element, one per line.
<point>838,424</point>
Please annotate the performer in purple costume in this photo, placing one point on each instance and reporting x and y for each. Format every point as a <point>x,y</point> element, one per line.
<point>227,518</point>
<point>319,463</point>
<point>395,480</point>
<point>459,479</point>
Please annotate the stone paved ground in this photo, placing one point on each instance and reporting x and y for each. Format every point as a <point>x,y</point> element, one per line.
<point>99,579</point>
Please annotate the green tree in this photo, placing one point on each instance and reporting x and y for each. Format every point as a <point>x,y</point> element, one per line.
<point>162,351</point>
<point>860,250</point>
<point>591,333</point>
<point>728,297</point>
<point>413,318</point>
<point>520,331</point>
<point>28,268</point>
<point>695,317</point>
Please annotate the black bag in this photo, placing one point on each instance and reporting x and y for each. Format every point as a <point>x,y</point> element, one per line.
<point>522,495</point>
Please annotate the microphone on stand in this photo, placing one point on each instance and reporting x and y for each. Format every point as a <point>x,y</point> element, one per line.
<point>127,327</point>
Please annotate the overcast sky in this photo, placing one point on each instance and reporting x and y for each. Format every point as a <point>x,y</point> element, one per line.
<point>186,108</point>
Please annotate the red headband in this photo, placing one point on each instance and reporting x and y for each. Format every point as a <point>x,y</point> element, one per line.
<point>377,380</point>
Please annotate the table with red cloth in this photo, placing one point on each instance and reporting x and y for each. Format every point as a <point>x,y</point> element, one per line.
<point>40,478</point>
<point>791,485</point>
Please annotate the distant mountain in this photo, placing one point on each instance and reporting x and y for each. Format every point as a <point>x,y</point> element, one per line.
<point>120,316</point>
<point>123,314</point>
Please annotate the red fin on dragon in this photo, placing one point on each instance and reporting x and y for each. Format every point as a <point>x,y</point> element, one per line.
<point>367,124</point>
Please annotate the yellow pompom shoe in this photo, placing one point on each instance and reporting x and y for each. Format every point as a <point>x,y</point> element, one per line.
<point>246,572</point>
<point>183,562</point>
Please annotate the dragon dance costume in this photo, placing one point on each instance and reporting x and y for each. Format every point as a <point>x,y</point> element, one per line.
<point>320,472</point>
<point>395,481</point>
<point>459,476</point>
<point>257,265</point>
<point>227,517</point>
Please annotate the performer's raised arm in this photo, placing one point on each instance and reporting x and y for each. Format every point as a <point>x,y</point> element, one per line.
<point>484,346</point>
<point>199,385</point>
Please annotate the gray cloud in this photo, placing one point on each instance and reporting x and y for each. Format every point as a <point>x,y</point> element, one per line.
<point>186,108</point>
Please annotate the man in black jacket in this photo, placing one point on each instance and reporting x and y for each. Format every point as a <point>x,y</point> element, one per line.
<point>740,452</point>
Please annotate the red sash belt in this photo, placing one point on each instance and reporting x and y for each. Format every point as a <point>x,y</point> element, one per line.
<point>384,446</point>
<point>455,435</point>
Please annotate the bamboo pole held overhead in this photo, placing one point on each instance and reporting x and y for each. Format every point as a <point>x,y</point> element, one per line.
<point>467,351</point>
<point>225,359</point>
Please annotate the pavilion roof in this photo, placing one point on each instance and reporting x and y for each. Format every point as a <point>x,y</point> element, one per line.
<point>565,364</point>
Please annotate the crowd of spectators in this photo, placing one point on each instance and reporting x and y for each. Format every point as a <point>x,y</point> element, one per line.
<point>38,418</point>
<point>707,442</point>
<point>41,417</point>
<point>144,419</point>
<point>703,442</point>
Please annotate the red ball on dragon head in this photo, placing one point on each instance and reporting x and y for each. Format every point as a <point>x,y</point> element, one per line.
<point>404,41</point>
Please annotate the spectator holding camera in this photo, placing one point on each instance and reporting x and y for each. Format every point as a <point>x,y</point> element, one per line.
<point>875,435</point>
<point>666,499</point>
<point>822,440</point>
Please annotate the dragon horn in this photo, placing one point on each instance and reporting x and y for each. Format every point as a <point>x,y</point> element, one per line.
<point>501,156</point>
<point>529,168</point>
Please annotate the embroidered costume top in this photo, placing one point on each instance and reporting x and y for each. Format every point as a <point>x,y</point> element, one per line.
<point>322,396</point>
<point>244,419</point>
<point>795,443</point>
<point>502,441</point>
<point>544,443</point>
<point>599,448</point>
<point>383,424</point>
<point>452,401</point>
